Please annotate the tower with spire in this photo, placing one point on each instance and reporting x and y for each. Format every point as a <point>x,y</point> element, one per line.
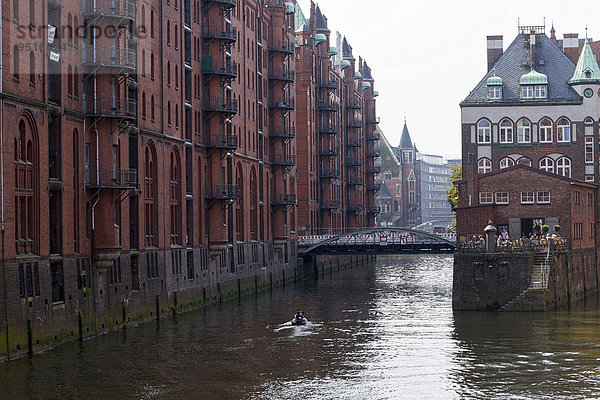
<point>407,154</point>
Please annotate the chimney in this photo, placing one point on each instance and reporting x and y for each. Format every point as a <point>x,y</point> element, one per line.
<point>494,49</point>
<point>571,46</point>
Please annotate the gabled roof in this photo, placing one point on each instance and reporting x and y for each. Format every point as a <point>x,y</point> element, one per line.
<point>300,21</point>
<point>320,21</point>
<point>383,193</point>
<point>405,142</point>
<point>587,70</point>
<point>515,62</point>
<point>367,72</point>
<point>346,50</point>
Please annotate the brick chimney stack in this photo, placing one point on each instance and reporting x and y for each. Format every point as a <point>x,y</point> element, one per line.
<point>494,49</point>
<point>571,46</point>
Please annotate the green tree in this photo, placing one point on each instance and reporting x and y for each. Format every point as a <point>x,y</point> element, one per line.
<point>452,193</point>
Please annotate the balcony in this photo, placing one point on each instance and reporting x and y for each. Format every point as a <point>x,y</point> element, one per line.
<point>226,33</point>
<point>329,151</point>
<point>355,208</point>
<point>328,129</point>
<point>372,120</point>
<point>327,105</point>
<point>375,136</point>
<point>284,160</point>
<point>353,123</point>
<point>330,205</point>
<point>288,199</point>
<point>109,57</point>
<point>329,173</point>
<point>353,162</point>
<point>226,141</point>
<point>222,192</point>
<point>109,107</point>
<point>354,104</point>
<point>354,142</point>
<point>282,46</point>
<point>282,74</point>
<point>283,103</point>
<point>354,181</point>
<point>114,9</point>
<point>225,3</point>
<point>285,132</point>
<point>224,105</point>
<point>374,187</point>
<point>227,69</point>
<point>373,153</point>
<point>329,84</point>
<point>110,179</point>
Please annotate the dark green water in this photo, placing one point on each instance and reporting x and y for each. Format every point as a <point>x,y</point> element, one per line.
<point>384,331</point>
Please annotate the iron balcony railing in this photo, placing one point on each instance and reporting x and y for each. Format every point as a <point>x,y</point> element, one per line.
<point>285,160</point>
<point>217,67</point>
<point>225,3</point>
<point>353,123</point>
<point>222,192</point>
<point>354,142</point>
<point>109,107</point>
<point>354,181</point>
<point>375,136</point>
<point>282,46</point>
<point>329,84</point>
<point>287,103</point>
<point>330,204</point>
<point>220,104</point>
<point>286,132</point>
<point>373,153</point>
<point>227,32</point>
<point>111,178</point>
<point>371,120</point>
<point>329,151</point>
<point>327,105</point>
<point>354,104</point>
<point>352,161</point>
<point>287,199</point>
<point>374,210</point>
<point>108,57</point>
<point>329,173</point>
<point>354,208</point>
<point>109,8</point>
<point>282,74</point>
<point>228,141</point>
<point>328,129</point>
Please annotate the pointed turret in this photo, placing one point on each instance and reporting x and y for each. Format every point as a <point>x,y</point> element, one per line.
<point>405,141</point>
<point>320,21</point>
<point>587,70</point>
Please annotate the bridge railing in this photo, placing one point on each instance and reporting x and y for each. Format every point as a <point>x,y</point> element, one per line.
<point>523,245</point>
<point>383,237</point>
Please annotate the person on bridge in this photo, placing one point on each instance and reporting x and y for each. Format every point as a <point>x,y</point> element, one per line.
<point>299,317</point>
<point>504,234</point>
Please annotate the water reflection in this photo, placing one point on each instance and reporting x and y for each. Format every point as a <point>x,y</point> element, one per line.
<point>384,331</point>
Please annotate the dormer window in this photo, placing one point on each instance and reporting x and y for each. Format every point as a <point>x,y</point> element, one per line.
<point>494,85</point>
<point>534,85</point>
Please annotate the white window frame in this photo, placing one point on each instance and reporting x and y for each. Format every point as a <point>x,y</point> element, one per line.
<point>486,198</point>
<point>527,197</point>
<point>506,131</point>
<point>484,165</point>
<point>589,149</point>
<point>527,92</point>
<point>540,91</point>
<point>563,165</point>
<point>563,131</point>
<point>506,162</point>
<point>524,131</point>
<point>495,92</point>
<point>484,133</point>
<point>541,197</point>
<point>502,198</point>
<point>549,164</point>
<point>545,131</point>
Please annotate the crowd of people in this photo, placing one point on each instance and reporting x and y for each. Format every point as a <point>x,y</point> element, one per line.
<point>504,242</point>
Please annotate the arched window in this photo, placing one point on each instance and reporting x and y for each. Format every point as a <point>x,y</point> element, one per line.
<point>16,9</point>
<point>484,165</point>
<point>176,37</point>
<point>168,73</point>
<point>253,204</point>
<point>76,30</point>
<point>239,205</point>
<point>26,201</point>
<point>177,115</point>
<point>524,131</point>
<point>150,192</point>
<point>175,197</point>
<point>16,62</point>
<point>152,108</point>
<point>506,162</point>
<point>545,131</point>
<point>151,23</point>
<point>143,62</point>
<point>563,130</point>
<point>32,68</point>
<point>169,113</point>
<point>144,105</point>
<point>524,161</point>
<point>70,81</point>
<point>506,131</point>
<point>70,27</point>
<point>176,76</point>
<point>547,164</point>
<point>484,131</point>
<point>32,12</point>
<point>563,166</point>
<point>152,66</point>
<point>76,83</point>
<point>168,33</point>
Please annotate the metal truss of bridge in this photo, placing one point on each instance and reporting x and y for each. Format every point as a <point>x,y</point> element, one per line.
<point>378,241</point>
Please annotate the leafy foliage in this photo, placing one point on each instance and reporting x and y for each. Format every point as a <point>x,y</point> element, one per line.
<point>452,193</point>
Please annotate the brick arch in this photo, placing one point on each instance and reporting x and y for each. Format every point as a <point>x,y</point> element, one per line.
<point>175,204</point>
<point>150,195</point>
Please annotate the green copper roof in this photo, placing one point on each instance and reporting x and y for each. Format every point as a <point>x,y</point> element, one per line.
<point>357,75</point>
<point>366,85</point>
<point>333,51</point>
<point>375,93</point>
<point>587,68</point>
<point>533,78</point>
<point>345,64</point>
<point>320,38</point>
<point>289,8</point>
<point>494,81</point>
<point>299,19</point>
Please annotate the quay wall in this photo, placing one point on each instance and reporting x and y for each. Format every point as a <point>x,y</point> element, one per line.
<point>488,281</point>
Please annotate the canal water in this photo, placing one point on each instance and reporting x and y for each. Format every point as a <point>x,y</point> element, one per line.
<point>380,331</point>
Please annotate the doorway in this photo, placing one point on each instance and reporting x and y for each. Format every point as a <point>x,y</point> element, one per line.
<point>528,226</point>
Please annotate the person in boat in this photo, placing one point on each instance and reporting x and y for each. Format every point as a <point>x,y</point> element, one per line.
<point>299,317</point>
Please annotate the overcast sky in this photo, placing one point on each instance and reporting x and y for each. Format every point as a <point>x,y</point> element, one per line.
<point>426,55</point>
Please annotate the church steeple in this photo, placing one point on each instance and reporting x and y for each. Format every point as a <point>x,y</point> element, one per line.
<point>587,70</point>
<point>405,141</point>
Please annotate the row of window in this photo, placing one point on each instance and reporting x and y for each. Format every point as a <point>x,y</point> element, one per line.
<point>546,132</point>
<point>562,165</point>
<point>503,197</point>
<point>527,92</point>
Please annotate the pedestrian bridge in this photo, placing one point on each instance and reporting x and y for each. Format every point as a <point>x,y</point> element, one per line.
<point>377,241</point>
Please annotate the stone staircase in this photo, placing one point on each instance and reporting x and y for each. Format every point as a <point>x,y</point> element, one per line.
<point>532,298</point>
